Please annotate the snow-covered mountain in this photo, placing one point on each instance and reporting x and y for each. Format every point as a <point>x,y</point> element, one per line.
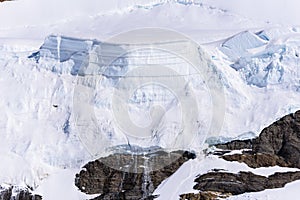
<point>255,58</point>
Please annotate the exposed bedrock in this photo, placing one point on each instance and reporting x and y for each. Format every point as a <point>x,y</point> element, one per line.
<point>278,144</point>
<point>12,193</point>
<point>135,181</point>
<point>243,182</point>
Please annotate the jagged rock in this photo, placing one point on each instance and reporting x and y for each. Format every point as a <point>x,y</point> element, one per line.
<point>26,195</point>
<point>5,194</point>
<point>236,145</point>
<point>278,144</point>
<point>282,138</point>
<point>134,180</point>
<point>257,160</point>
<point>202,196</point>
<point>242,182</point>
<point>21,194</point>
<point>219,153</point>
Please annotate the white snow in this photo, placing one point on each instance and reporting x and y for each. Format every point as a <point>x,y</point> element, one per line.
<point>240,44</point>
<point>254,45</point>
<point>290,191</point>
<point>61,185</point>
<point>283,12</point>
<point>182,181</point>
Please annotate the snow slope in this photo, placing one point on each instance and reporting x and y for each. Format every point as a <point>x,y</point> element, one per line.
<point>255,52</point>
<point>102,19</point>
<point>185,176</point>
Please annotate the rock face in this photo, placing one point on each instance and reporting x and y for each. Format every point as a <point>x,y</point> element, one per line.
<point>236,145</point>
<point>135,180</point>
<point>282,138</point>
<point>243,182</point>
<point>256,160</point>
<point>202,196</point>
<point>278,144</point>
<point>7,194</point>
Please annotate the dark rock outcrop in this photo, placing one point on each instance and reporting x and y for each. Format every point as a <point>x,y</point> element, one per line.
<point>282,138</point>
<point>18,194</point>
<point>135,180</point>
<point>257,159</point>
<point>236,145</point>
<point>201,196</point>
<point>206,195</point>
<point>5,194</point>
<point>278,144</point>
<point>243,182</point>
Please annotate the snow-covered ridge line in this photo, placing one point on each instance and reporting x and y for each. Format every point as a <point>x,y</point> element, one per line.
<point>155,3</point>
<point>79,9</point>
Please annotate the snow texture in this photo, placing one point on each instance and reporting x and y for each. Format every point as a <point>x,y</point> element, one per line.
<point>254,45</point>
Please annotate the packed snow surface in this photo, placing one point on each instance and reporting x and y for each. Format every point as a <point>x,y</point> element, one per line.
<point>253,45</point>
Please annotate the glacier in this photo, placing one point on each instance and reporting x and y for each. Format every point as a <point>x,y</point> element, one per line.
<point>263,62</point>
<point>46,82</point>
<point>259,71</point>
<point>47,103</point>
<point>143,73</point>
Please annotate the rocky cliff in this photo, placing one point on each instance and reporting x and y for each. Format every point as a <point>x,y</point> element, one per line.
<point>278,144</point>
<point>134,179</point>
<point>14,193</point>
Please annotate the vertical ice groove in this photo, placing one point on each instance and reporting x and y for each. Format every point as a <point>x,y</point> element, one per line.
<point>147,185</point>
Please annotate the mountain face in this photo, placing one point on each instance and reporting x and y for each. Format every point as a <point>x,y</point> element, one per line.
<point>39,92</point>
<point>133,178</point>
<point>278,144</point>
<point>146,88</point>
<point>125,176</point>
<point>58,114</point>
